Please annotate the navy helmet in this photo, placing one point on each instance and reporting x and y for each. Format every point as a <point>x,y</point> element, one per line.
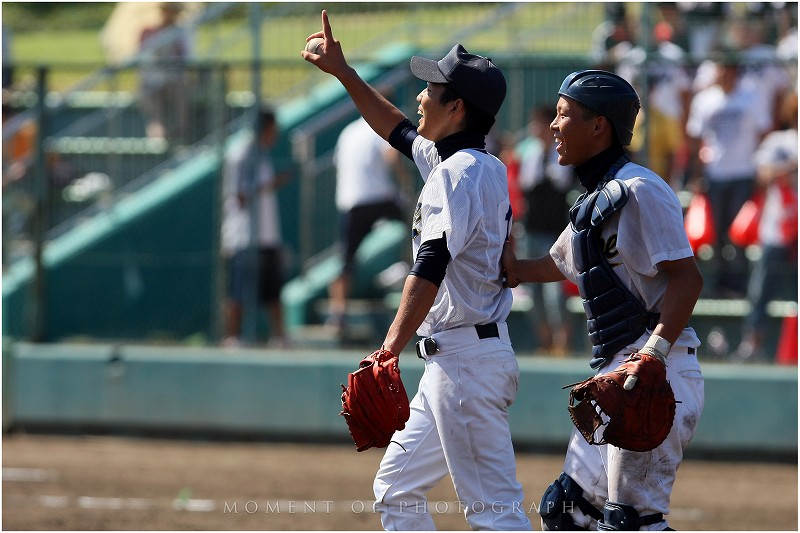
<point>607,94</point>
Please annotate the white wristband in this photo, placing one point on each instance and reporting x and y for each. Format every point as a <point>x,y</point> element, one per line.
<point>658,347</point>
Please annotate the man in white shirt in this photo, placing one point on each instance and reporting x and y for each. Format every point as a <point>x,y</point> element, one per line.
<point>365,194</point>
<point>725,125</point>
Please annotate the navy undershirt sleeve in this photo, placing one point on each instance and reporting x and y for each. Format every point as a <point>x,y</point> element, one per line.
<point>402,137</point>
<point>432,259</point>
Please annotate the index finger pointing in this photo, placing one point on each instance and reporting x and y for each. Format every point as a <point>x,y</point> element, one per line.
<point>326,26</point>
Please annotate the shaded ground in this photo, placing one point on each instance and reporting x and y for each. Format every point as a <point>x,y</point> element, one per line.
<point>110,483</point>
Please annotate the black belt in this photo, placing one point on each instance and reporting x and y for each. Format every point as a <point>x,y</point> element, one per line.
<point>487,331</point>
<point>484,331</point>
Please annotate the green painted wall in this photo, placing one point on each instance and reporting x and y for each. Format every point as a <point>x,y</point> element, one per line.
<point>296,395</point>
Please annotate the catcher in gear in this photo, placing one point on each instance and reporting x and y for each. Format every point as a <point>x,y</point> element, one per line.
<point>453,297</point>
<point>627,251</point>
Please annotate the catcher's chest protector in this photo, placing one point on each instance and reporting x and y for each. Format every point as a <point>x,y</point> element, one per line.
<point>615,316</point>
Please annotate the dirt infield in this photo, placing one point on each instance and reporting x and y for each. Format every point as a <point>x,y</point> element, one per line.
<point>110,483</point>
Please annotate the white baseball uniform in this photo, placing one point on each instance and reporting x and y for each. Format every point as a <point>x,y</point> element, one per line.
<point>459,416</point>
<point>647,230</point>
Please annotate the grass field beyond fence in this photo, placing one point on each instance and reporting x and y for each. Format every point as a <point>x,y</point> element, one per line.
<point>74,49</point>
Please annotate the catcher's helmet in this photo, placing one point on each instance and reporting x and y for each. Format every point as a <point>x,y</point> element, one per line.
<point>607,94</point>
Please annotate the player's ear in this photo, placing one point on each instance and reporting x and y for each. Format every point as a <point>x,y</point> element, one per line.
<point>602,125</point>
<point>598,123</point>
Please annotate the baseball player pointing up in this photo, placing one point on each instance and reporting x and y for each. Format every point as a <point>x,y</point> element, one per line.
<point>627,251</point>
<point>453,297</point>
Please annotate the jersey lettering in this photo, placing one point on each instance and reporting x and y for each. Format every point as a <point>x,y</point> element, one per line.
<point>416,222</point>
<point>610,250</point>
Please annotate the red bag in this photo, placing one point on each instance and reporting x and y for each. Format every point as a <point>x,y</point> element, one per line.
<point>699,223</point>
<point>744,228</point>
<point>789,205</point>
<point>515,194</point>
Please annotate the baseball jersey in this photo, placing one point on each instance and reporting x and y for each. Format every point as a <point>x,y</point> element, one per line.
<point>647,230</point>
<point>465,197</point>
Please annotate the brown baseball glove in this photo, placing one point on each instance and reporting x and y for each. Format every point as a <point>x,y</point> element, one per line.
<point>375,403</point>
<point>631,407</point>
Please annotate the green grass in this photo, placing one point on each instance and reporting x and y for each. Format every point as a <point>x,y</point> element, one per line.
<point>535,28</point>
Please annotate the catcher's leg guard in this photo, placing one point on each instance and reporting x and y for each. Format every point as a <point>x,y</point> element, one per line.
<point>559,499</point>
<point>621,517</point>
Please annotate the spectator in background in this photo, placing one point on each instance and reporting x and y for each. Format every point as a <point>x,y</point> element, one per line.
<point>786,46</point>
<point>545,185</point>
<point>365,194</point>
<point>19,164</point>
<point>671,20</point>
<point>163,94</point>
<point>251,232</point>
<point>19,204</point>
<point>704,22</point>
<point>725,126</point>
<point>777,175</point>
<point>18,147</point>
<point>614,37</point>
<point>762,70</point>
<point>669,95</point>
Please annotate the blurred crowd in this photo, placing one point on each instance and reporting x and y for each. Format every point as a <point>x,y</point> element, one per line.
<point>718,123</point>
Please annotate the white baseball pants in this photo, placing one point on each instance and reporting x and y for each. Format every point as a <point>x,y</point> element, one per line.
<point>458,426</point>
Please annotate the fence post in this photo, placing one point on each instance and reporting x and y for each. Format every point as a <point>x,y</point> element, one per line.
<point>304,151</point>
<point>649,45</point>
<point>37,326</point>
<point>250,305</point>
<point>220,137</point>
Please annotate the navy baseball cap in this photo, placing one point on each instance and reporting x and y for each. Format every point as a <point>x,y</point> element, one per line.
<point>474,77</point>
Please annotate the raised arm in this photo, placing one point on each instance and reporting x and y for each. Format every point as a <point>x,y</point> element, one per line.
<point>379,113</point>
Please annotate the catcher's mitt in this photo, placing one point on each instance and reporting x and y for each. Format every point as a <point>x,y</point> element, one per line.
<point>634,402</point>
<point>375,403</point>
